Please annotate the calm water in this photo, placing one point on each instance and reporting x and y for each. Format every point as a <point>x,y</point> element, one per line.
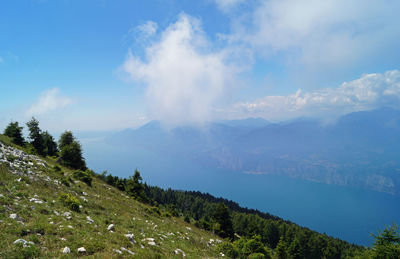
<point>347,213</point>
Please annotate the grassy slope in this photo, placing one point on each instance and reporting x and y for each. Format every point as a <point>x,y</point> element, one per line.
<point>45,225</point>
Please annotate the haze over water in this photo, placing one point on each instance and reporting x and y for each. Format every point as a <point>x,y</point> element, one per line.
<point>348,213</point>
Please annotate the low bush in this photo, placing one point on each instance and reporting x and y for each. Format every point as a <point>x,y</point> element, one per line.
<point>69,201</point>
<point>84,176</point>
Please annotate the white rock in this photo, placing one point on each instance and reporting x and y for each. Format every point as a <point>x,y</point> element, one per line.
<point>117,251</point>
<point>14,216</point>
<point>23,242</point>
<point>110,227</point>
<point>128,251</point>
<point>131,237</point>
<point>151,243</point>
<point>66,250</point>
<point>89,220</point>
<point>81,250</point>
<point>84,193</point>
<point>179,251</point>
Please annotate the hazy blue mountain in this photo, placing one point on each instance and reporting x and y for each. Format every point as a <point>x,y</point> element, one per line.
<point>361,149</point>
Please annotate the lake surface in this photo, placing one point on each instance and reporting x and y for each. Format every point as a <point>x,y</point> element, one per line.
<point>347,213</point>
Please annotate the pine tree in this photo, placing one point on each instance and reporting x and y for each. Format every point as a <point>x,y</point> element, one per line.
<point>14,131</point>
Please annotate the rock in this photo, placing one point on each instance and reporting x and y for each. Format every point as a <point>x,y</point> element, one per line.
<point>117,251</point>
<point>110,227</point>
<point>128,251</point>
<point>36,200</point>
<point>151,243</point>
<point>81,250</point>
<point>84,193</point>
<point>179,251</point>
<point>14,216</point>
<point>23,242</point>
<point>66,250</point>
<point>130,237</point>
<point>90,221</point>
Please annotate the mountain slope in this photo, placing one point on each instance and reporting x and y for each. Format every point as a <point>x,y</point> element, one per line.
<point>31,211</point>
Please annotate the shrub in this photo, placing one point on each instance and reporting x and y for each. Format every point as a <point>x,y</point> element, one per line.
<point>229,250</point>
<point>70,201</point>
<point>84,176</point>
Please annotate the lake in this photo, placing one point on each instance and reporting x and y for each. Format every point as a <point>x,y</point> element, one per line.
<point>347,213</point>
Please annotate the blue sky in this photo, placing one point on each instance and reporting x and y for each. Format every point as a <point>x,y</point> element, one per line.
<point>103,65</point>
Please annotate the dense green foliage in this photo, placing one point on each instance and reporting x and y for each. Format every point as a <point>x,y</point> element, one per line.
<point>36,137</point>
<point>71,152</point>
<point>387,243</point>
<point>84,176</point>
<point>50,145</point>
<point>69,201</point>
<point>14,131</point>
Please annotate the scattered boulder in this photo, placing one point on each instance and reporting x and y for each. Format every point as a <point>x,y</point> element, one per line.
<point>90,221</point>
<point>130,237</point>
<point>14,216</point>
<point>110,227</point>
<point>179,251</point>
<point>128,251</point>
<point>23,242</point>
<point>81,250</point>
<point>66,250</point>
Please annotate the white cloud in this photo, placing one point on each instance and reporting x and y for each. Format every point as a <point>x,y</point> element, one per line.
<point>49,101</point>
<point>368,92</point>
<point>148,28</point>
<point>184,80</point>
<point>322,34</point>
<point>226,5</point>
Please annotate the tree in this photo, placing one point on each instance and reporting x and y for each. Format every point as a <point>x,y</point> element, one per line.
<point>71,152</point>
<point>14,131</point>
<point>67,138</point>
<point>223,221</point>
<point>50,146</point>
<point>35,136</point>
<point>387,243</point>
<point>134,186</point>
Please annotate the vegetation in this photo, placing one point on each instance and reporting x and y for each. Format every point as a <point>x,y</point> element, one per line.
<point>71,152</point>
<point>14,131</point>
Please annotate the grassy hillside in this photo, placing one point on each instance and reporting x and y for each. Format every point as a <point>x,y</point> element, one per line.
<point>31,209</point>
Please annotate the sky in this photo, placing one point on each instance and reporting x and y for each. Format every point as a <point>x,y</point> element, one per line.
<point>99,65</point>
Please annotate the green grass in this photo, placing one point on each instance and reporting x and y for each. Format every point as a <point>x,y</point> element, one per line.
<point>51,231</point>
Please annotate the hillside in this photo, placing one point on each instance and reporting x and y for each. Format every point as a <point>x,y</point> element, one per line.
<point>34,221</point>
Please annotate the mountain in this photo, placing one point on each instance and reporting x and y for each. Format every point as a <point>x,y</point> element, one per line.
<point>359,150</point>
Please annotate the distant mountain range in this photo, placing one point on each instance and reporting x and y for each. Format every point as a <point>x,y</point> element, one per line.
<point>361,149</point>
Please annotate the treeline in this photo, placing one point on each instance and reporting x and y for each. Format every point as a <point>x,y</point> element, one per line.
<point>67,151</point>
<point>252,232</point>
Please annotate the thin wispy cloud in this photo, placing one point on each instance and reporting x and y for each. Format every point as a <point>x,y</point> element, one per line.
<point>49,101</point>
<point>319,37</point>
<point>227,5</point>
<point>184,79</point>
<point>368,92</point>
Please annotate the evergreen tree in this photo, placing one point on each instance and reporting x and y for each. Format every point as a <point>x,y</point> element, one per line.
<point>387,243</point>
<point>71,152</point>
<point>223,221</point>
<point>50,145</point>
<point>35,135</point>
<point>134,186</point>
<point>67,138</point>
<point>14,131</point>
